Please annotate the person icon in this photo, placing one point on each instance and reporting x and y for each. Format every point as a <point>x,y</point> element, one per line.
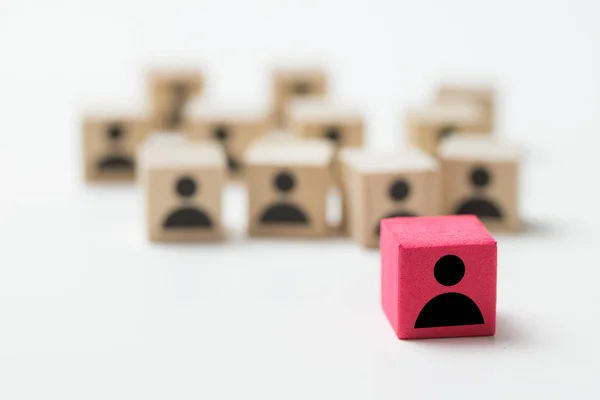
<point>115,134</point>
<point>284,212</point>
<point>399,191</point>
<point>452,308</point>
<point>301,88</point>
<point>480,179</point>
<point>187,217</point>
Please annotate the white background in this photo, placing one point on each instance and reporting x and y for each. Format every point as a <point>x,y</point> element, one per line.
<point>90,310</point>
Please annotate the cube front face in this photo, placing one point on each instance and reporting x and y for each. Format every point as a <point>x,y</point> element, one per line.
<point>110,147</point>
<point>287,201</point>
<point>439,279</point>
<point>447,291</point>
<point>233,136</point>
<point>184,204</point>
<point>406,194</point>
<point>170,95</point>
<point>486,189</point>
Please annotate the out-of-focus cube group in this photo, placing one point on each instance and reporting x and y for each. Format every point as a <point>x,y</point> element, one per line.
<point>183,149</point>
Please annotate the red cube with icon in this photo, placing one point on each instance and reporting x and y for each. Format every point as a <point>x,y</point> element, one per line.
<point>438,276</point>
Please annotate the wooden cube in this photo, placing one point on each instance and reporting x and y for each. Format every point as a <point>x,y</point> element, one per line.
<point>288,182</point>
<point>234,129</point>
<point>294,83</point>
<point>111,137</point>
<point>183,183</point>
<point>427,125</point>
<point>382,185</point>
<point>170,92</point>
<point>484,95</point>
<point>342,126</point>
<point>481,177</point>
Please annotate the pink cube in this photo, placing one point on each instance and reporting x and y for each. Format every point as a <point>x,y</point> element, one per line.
<point>438,276</point>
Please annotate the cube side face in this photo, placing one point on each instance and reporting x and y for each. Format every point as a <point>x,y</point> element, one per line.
<point>354,205</point>
<point>183,204</point>
<point>109,148</point>
<point>398,194</point>
<point>287,200</point>
<point>390,290</point>
<point>489,190</point>
<point>435,302</point>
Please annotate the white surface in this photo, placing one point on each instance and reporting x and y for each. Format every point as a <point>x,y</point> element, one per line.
<point>89,310</point>
<point>398,160</point>
<point>478,147</point>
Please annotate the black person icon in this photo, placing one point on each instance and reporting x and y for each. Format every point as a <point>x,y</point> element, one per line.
<point>114,161</point>
<point>187,217</point>
<point>398,192</point>
<point>480,179</point>
<point>284,212</point>
<point>451,308</point>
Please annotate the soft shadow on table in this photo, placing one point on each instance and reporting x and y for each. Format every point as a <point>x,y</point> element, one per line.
<point>509,333</point>
<point>539,228</point>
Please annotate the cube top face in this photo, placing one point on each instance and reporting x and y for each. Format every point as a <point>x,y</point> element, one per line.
<point>292,152</point>
<point>201,110</point>
<point>184,203</point>
<point>478,148</point>
<point>287,200</point>
<point>481,177</point>
<point>465,112</point>
<point>341,126</point>
<point>176,152</point>
<point>438,231</point>
<point>110,145</point>
<point>439,277</point>
<point>405,160</point>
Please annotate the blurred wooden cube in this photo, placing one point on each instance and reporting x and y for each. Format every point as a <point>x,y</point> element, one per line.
<point>427,125</point>
<point>291,83</point>
<point>481,177</point>
<point>401,183</point>
<point>171,90</point>
<point>112,134</point>
<point>482,94</point>
<point>233,128</point>
<point>288,182</point>
<point>183,183</point>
